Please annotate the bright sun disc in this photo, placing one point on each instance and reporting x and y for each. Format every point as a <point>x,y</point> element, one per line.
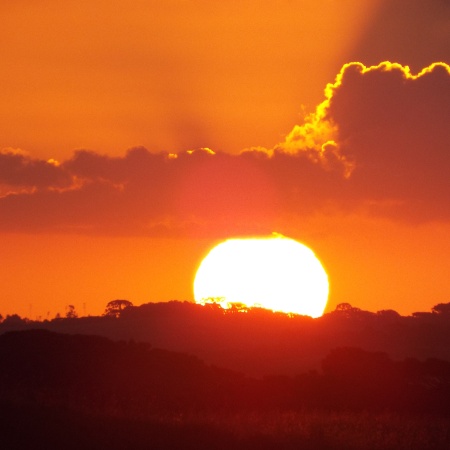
<point>275,273</point>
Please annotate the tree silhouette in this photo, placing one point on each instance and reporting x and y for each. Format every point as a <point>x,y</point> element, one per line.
<point>115,307</point>
<point>14,319</point>
<point>346,310</point>
<point>388,314</point>
<point>71,312</point>
<point>441,308</point>
<point>213,300</point>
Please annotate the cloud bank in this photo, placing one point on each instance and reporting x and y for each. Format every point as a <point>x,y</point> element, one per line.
<point>378,143</point>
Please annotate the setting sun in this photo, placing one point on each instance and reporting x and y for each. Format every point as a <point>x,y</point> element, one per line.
<point>275,273</point>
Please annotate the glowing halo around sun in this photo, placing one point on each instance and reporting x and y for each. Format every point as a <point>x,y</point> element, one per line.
<point>276,273</point>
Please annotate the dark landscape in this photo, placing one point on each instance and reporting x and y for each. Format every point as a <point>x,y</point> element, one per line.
<point>181,375</point>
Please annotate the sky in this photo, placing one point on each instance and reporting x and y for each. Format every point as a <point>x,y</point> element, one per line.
<point>137,135</point>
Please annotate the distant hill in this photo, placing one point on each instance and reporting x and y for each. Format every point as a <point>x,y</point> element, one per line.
<point>259,342</point>
<point>93,374</point>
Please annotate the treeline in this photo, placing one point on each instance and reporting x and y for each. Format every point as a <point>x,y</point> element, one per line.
<point>259,342</point>
<point>129,379</point>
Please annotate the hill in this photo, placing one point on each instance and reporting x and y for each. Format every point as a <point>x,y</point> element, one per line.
<point>259,342</point>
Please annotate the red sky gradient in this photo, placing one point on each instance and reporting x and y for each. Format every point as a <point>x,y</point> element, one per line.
<point>137,136</point>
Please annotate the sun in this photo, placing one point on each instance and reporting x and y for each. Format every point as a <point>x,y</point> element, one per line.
<point>275,272</point>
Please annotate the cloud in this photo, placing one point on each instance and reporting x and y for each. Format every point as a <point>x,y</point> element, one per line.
<point>18,171</point>
<point>387,131</point>
<point>378,143</point>
<point>413,32</point>
<point>199,192</point>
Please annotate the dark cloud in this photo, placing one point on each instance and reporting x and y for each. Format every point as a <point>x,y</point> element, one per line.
<point>378,143</point>
<point>395,128</point>
<point>191,192</point>
<point>413,32</point>
<point>21,171</point>
<point>389,130</point>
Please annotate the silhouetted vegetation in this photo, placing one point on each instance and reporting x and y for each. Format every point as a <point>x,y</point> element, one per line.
<point>94,373</point>
<point>259,342</point>
<point>115,307</point>
<point>75,391</point>
<point>71,312</point>
<point>56,429</point>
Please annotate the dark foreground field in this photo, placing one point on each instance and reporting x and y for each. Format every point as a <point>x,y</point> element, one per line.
<point>61,391</point>
<point>30,427</point>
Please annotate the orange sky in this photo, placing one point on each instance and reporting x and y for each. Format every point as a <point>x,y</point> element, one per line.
<point>110,89</point>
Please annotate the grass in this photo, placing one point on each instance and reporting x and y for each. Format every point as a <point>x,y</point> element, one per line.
<point>25,424</point>
<point>324,430</point>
